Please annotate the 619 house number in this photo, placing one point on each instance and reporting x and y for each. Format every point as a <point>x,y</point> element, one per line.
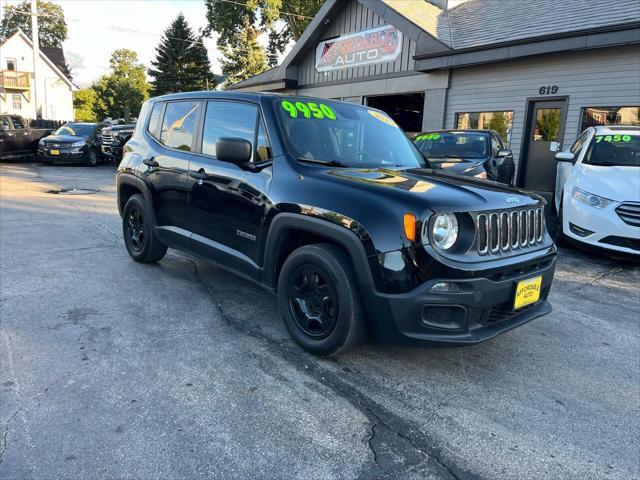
<point>549,89</point>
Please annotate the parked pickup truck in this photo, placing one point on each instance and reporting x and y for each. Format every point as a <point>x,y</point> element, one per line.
<point>114,138</point>
<point>329,206</point>
<point>17,139</point>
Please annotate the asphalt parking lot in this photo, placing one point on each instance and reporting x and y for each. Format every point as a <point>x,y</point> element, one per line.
<point>112,369</point>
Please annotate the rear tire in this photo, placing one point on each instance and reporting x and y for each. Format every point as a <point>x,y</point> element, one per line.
<point>319,300</point>
<point>139,235</point>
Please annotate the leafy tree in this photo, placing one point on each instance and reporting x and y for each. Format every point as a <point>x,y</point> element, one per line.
<point>243,56</point>
<point>181,63</point>
<point>84,101</point>
<point>121,93</point>
<point>52,28</point>
<point>229,20</point>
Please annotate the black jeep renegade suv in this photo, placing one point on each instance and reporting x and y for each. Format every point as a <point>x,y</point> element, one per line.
<point>330,206</point>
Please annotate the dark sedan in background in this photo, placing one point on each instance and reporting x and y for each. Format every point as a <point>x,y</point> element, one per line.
<point>474,153</point>
<point>72,143</point>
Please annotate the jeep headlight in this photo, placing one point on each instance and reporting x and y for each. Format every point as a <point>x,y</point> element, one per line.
<point>444,230</point>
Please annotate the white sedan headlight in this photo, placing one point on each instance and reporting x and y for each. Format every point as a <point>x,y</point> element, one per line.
<point>445,230</point>
<point>590,199</point>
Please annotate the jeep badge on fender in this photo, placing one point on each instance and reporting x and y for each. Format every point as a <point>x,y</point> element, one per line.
<point>329,206</point>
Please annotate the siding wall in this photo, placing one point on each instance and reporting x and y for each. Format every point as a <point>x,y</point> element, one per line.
<point>355,17</point>
<point>603,77</point>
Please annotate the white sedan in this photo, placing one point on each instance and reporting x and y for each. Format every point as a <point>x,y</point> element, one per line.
<point>598,189</point>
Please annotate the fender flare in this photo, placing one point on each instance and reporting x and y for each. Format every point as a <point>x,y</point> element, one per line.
<point>332,232</point>
<point>139,184</point>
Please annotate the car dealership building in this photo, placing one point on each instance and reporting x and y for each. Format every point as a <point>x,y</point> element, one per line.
<point>536,72</point>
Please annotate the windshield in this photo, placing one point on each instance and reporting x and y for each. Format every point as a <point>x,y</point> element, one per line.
<point>453,144</point>
<point>344,135</point>
<point>75,129</point>
<point>614,150</point>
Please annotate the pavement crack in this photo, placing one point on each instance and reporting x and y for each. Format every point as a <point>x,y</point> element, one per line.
<point>29,401</point>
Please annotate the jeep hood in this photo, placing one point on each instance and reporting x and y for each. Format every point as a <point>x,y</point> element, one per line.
<point>435,189</point>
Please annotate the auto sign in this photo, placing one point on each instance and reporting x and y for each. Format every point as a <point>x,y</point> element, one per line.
<point>377,45</point>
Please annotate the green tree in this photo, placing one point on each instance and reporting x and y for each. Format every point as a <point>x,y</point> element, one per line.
<point>230,19</point>
<point>121,92</point>
<point>181,63</point>
<point>243,56</point>
<point>84,101</point>
<point>52,28</point>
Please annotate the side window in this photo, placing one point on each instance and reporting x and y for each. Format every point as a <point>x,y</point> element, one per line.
<point>17,123</point>
<point>577,145</point>
<point>180,120</point>
<point>154,119</point>
<point>4,122</point>
<point>228,119</point>
<point>263,148</point>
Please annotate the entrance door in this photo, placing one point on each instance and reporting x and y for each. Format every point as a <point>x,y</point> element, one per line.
<point>545,127</point>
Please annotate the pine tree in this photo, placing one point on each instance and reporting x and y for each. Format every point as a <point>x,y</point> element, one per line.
<point>243,55</point>
<point>181,63</point>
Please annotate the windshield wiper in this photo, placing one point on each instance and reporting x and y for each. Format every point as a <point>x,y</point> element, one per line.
<point>328,163</point>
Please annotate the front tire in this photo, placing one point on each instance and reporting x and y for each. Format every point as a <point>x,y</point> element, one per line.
<point>319,301</point>
<point>139,236</point>
<point>92,158</point>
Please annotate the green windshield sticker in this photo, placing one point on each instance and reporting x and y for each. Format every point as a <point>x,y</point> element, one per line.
<point>613,138</point>
<point>428,136</point>
<point>308,110</point>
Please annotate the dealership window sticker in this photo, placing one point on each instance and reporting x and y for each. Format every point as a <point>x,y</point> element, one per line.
<point>613,138</point>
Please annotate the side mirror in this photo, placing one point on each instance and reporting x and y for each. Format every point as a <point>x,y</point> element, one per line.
<point>565,156</point>
<point>234,150</point>
<point>503,153</point>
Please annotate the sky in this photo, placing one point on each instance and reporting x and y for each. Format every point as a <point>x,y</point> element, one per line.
<point>92,38</point>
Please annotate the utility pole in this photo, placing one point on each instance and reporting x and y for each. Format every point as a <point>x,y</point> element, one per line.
<point>36,54</point>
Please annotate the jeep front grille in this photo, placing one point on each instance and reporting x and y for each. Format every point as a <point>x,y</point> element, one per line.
<point>509,230</point>
<point>629,213</point>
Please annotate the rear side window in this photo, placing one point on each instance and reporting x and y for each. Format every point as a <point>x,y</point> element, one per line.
<point>228,119</point>
<point>178,127</point>
<point>154,120</point>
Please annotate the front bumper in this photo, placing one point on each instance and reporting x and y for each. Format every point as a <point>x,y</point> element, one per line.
<point>112,151</point>
<point>67,155</point>
<point>609,231</point>
<point>483,310</point>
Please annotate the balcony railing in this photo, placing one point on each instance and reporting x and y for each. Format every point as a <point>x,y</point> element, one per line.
<point>14,80</point>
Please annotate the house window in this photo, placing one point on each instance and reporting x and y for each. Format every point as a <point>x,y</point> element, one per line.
<point>594,116</point>
<point>501,122</point>
<point>16,99</point>
<point>11,64</point>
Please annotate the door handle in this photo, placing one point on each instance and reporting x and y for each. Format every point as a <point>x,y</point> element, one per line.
<point>199,175</point>
<point>150,162</point>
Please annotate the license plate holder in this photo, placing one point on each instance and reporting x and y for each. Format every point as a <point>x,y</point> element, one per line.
<point>527,292</point>
<point>54,152</point>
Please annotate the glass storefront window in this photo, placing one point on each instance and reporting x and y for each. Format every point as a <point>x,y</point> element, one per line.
<point>501,122</point>
<point>594,116</point>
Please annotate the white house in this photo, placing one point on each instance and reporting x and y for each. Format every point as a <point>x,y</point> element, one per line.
<point>54,89</point>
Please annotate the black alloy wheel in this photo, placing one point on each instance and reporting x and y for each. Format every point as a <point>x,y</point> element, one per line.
<point>313,301</point>
<point>319,300</point>
<point>135,228</point>
<point>138,231</point>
